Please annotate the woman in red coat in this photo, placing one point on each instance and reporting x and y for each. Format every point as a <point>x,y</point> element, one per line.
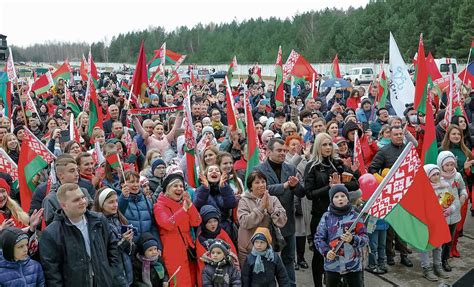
<point>210,229</point>
<point>175,214</point>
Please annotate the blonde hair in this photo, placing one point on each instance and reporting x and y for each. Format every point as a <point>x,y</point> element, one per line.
<point>17,211</point>
<point>317,157</point>
<point>149,158</point>
<point>96,131</point>
<point>5,140</point>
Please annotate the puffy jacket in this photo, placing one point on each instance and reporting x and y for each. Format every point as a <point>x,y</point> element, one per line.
<point>125,268</point>
<point>24,273</point>
<point>273,270</point>
<point>349,256</point>
<point>64,256</point>
<point>232,276</point>
<point>457,188</point>
<point>175,225</point>
<point>138,210</point>
<point>385,157</point>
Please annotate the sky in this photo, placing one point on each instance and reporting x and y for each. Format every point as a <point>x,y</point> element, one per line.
<point>26,22</point>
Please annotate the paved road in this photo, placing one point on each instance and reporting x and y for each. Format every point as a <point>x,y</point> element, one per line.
<point>400,275</point>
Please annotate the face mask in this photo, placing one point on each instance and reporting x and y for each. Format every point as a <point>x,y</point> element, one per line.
<point>413,119</point>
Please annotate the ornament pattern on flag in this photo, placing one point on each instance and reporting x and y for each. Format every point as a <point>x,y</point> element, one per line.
<point>397,186</point>
<point>37,146</point>
<point>290,63</point>
<point>6,166</point>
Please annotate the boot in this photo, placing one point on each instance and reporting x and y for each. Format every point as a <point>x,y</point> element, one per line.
<point>429,274</point>
<point>446,266</point>
<point>438,271</point>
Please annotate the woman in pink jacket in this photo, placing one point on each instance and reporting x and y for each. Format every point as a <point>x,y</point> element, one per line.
<point>175,214</point>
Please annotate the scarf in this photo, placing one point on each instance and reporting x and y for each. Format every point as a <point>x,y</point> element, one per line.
<point>340,211</point>
<point>219,278</point>
<point>206,234</point>
<point>268,254</point>
<point>86,177</point>
<point>448,175</point>
<point>146,262</point>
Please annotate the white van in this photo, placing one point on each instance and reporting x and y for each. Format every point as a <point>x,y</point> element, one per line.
<point>443,65</point>
<point>360,75</point>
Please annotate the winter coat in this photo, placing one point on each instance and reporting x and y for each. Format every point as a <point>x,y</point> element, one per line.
<point>138,210</point>
<point>316,185</point>
<point>24,273</point>
<point>274,272</point>
<point>457,188</point>
<point>124,251</point>
<point>363,116</point>
<point>224,201</point>
<point>64,256</point>
<point>353,102</point>
<point>251,215</point>
<point>175,225</point>
<point>419,136</point>
<point>232,276</point>
<point>201,250</point>
<point>286,196</point>
<point>368,150</point>
<point>385,157</point>
<point>349,256</point>
<point>137,274</point>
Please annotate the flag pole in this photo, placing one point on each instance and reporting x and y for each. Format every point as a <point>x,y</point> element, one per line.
<point>467,65</point>
<point>379,189</point>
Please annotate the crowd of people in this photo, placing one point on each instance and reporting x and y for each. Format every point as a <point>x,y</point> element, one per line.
<point>141,223</point>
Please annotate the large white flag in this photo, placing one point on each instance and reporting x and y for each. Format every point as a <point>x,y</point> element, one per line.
<point>402,90</point>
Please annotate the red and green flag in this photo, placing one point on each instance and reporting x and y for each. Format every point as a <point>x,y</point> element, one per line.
<point>409,204</point>
<point>173,79</point>
<point>257,73</point>
<point>124,86</point>
<point>421,88</point>
<point>279,92</point>
<point>92,71</point>
<point>297,66</point>
<point>252,141</point>
<point>63,72</point>
<point>190,146</point>
<point>8,166</point>
<point>71,102</point>
<point>231,70</point>
<point>84,69</point>
<point>169,56</point>
<point>231,118</point>
<point>6,93</point>
<point>335,71</point>
<point>34,157</point>
<point>113,160</point>
<point>433,70</point>
<point>382,91</point>
<point>314,92</point>
<point>140,76</point>
<point>95,111</point>
<point>43,84</point>
<point>429,149</point>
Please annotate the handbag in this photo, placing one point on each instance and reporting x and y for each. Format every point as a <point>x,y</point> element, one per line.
<point>190,251</point>
<point>278,240</point>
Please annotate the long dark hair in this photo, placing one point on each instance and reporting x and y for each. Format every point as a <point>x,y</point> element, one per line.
<point>96,206</point>
<point>235,178</point>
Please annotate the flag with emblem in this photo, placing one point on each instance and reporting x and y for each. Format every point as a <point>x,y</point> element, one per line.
<point>297,66</point>
<point>140,76</point>
<point>84,69</point>
<point>43,84</point>
<point>279,91</point>
<point>10,67</point>
<point>231,70</point>
<point>8,166</point>
<point>190,145</point>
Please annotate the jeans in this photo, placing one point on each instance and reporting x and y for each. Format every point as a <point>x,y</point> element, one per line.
<point>377,240</point>
<point>425,258</point>
<point>446,249</point>
<point>352,279</point>
<point>288,257</point>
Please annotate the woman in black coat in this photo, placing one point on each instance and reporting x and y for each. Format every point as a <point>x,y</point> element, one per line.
<point>324,170</point>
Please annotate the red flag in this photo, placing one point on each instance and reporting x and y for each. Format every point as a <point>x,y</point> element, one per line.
<point>336,72</point>
<point>140,77</point>
<point>298,66</point>
<point>73,131</point>
<point>421,78</point>
<point>358,157</point>
<point>433,70</point>
<point>279,92</point>
<point>84,68</point>
<point>231,119</point>
<point>190,146</point>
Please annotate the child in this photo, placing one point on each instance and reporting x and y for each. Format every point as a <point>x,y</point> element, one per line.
<point>447,165</point>
<point>147,267</point>
<point>346,263</point>
<point>16,267</point>
<point>263,265</point>
<point>220,269</point>
<point>441,189</point>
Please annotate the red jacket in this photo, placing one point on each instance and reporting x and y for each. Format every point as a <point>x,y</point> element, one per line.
<point>368,150</point>
<point>170,216</point>
<point>200,250</point>
<point>418,136</point>
<point>353,102</point>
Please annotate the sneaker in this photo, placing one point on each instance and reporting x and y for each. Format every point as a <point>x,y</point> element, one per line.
<point>303,264</point>
<point>390,260</point>
<point>429,274</point>
<point>374,270</point>
<point>383,267</point>
<point>446,266</point>
<point>438,271</point>
<point>406,261</point>
<point>297,267</point>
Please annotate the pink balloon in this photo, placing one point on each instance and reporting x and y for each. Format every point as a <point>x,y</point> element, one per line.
<point>368,184</point>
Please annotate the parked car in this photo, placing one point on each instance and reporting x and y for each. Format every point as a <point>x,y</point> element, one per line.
<point>219,74</point>
<point>360,75</point>
<point>198,74</point>
<point>444,63</point>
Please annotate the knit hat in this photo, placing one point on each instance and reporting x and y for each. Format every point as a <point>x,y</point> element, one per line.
<point>171,178</point>
<point>222,245</point>
<point>365,100</point>
<point>17,129</point>
<point>153,96</point>
<point>155,163</point>
<point>208,129</point>
<point>5,185</point>
<point>143,180</point>
<point>337,188</point>
<point>263,119</point>
<point>145,241</point>
<point>208,211</point>
<point>431,169</point>
<point>445,157</point>
<point>355,195</point>
<point>262,233</point>
<point>338,140</point>
<point>10,237</point>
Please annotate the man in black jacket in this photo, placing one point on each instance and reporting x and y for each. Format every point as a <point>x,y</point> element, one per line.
<point>77,249</point>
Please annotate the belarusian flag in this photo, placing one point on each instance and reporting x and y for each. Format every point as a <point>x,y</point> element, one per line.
<point>71,102</point>
<point>73,131</point>
<point>30,107</point>
<point>279,92</point>
<point>173,79</point>
<point>170,57</point>
<point>10,67</point>
<point>297,66</point>
<point>140,76</point>
<point>124,86</point>
<point>257,73</point>
<point>382,91</point>
<point>43,84</point>
<point>252,141</point>
<point>113,160</point>
<point>433,70</point>
<point>62,72</point>
<point>421,87</point>
<point>409,204</point>
<point>159,57</point>
<point>95,111</point>
<point>8,166</point>
<point>84,68</point>
<point>358,156</point>
<point>97,154</point>
<point>231,118</point>
<point>5,94</point>
<point>93,71</point>
<point>429,150</point>
<point>231,70</point>
<point>335,71</point>
<point>314,92</point>
<point>34,157</point>
<point>190,145</point>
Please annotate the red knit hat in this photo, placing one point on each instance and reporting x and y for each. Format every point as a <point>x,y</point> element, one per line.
<point>5,185</point>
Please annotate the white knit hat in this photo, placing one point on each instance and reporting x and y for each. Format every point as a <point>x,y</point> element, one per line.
<point>445,157</point>
<point>430,169</point>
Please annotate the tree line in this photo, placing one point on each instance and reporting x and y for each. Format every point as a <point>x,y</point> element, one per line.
<point>356,35</point>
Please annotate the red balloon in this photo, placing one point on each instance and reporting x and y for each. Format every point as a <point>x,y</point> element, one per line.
<point>368,184</point>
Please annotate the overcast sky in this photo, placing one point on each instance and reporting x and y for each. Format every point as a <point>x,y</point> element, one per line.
<point>27,22</point>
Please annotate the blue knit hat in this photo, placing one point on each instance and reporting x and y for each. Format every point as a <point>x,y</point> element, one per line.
<point>338,188</point>
<point>155,163</point>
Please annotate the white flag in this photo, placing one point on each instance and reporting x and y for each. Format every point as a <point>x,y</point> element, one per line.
<point>402,90</point>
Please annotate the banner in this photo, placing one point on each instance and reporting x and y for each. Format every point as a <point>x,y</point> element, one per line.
<point>154,111</point>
